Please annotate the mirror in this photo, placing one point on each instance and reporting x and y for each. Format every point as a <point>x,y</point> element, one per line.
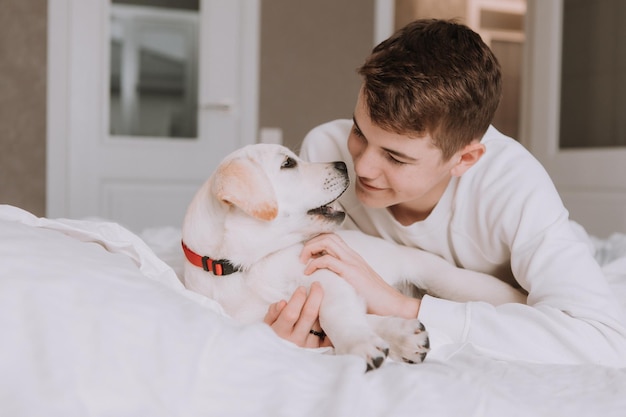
<point>153,79</point>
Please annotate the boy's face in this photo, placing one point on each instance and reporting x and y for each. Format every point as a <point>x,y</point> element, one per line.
<point>405,174</point>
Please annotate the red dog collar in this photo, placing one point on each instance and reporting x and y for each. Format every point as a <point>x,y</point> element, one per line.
<point>216,267</point>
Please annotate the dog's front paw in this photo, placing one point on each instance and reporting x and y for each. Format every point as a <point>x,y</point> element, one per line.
<point>374,350</point>
<point>408,339</point>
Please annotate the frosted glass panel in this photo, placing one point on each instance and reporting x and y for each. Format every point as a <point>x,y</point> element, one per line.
<point>593,89</point>
<point>154,69</point>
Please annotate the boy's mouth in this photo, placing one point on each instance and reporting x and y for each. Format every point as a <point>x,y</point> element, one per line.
<point>367,186</point>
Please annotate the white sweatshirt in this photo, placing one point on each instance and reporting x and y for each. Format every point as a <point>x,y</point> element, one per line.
<point>505,218</point>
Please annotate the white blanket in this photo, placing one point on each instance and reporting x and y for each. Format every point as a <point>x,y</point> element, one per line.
<point>93,323</point>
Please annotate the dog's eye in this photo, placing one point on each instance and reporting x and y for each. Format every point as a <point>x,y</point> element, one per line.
<point>289,163</point>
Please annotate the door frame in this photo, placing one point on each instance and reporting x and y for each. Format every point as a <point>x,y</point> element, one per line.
<point>61,15</point>
<point>590,181</point>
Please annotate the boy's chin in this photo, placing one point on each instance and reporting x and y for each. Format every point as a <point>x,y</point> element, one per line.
<point>370,201</point>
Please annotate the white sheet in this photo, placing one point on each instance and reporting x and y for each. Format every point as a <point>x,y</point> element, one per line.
<point>93,323</point>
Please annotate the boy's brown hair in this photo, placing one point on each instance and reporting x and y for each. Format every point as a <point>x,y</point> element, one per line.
<point>433,77</point>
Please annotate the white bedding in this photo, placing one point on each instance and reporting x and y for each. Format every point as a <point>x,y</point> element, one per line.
<point>93,323</point>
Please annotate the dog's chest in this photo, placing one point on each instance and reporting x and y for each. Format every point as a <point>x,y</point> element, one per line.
<point>246,295</point>
<point>277,276</point>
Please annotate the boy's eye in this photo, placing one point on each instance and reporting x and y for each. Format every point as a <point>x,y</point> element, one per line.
<point>394,160</point>
<point>357,131</point>
<point>289,162</point>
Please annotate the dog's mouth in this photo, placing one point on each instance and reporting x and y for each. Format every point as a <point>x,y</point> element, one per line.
<point>330,211</point>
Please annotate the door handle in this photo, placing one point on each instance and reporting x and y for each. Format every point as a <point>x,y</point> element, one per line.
<point>216,106</point>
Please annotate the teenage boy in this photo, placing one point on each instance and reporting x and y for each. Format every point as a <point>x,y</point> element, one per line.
<point>428,171</point>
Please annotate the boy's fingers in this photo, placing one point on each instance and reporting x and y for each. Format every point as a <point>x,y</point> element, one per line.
<point>310,311</point>
<point>273,312</point>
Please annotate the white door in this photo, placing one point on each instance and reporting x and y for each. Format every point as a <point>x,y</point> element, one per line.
<point>585,154</point>
<point>143,104</point>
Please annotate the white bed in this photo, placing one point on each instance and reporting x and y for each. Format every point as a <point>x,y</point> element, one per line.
<point>94,323</point>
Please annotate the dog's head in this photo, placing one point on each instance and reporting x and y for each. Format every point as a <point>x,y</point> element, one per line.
<point>263,198</point>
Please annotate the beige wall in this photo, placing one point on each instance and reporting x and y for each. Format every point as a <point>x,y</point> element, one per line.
<point>309,55</point>
<point>23,26</point>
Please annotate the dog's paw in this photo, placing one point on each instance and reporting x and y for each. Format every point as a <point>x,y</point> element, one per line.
<point>410,344</point>
<point>408,339</point>
<point>374,350</point>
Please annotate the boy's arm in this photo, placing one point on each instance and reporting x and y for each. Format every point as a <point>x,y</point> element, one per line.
<point>571,315</point>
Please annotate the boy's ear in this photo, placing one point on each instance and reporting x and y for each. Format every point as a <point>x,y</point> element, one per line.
<point>469,155</point>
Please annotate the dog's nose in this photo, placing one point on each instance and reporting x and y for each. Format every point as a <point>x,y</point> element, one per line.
<point>341,166</point>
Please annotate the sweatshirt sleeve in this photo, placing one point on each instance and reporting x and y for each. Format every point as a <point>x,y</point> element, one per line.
<point>541,334</point>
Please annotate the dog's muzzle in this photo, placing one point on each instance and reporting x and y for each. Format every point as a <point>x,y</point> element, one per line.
<point>329,212</point>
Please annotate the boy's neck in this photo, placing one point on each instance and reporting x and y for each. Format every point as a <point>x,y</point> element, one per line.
<point>406,216</point>
<point>411,212</point>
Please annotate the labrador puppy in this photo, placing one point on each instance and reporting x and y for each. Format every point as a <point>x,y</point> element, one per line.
<point>244,231</point>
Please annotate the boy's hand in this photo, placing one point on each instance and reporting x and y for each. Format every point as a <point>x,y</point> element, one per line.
<point>329,251</point>
<point>294,320</point>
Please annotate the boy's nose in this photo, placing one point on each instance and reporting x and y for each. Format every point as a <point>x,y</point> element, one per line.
<point>366,164</point>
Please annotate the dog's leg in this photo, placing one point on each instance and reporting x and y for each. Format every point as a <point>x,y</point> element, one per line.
<point>444,280</point>
<point>408,339</point>
<point>397,264</point>
<point>343,317</point>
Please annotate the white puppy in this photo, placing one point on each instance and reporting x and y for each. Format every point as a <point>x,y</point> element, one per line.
<point>244,231</point>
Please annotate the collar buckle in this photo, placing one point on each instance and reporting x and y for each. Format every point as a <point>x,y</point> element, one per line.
<point>218,267</point>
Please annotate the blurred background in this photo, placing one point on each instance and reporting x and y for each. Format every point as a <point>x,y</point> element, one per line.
<point>120,109</point>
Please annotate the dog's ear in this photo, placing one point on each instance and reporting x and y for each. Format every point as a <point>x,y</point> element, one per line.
<point>242,182</point>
